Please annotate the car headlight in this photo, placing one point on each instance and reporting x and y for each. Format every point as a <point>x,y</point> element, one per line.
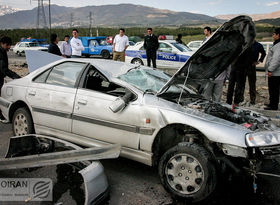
<point>266,138</point>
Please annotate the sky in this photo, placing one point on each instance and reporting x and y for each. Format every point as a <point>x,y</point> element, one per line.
<point>208,7</point>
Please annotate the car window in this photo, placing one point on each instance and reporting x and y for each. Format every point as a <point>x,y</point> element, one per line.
<point>96,81</point>
<point>163,47</point>
<point>181,47</point>
<point>22,45</point>
<point>142,48</point>
<point>42,77</point>
<point>65,74</point>
<point>93,43</point>
<point>103,42</point>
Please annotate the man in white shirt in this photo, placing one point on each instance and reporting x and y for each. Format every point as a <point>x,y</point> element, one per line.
<point>66,47</point>
<point>76,45</point>
<point>120,44</point>
<point>207,32</point>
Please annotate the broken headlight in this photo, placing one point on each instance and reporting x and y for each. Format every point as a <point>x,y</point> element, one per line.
<point>265,138</point>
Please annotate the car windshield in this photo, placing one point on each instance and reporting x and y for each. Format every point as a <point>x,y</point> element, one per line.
<point>151,80</point>
<point>34,45</point>
<point>181,47</point>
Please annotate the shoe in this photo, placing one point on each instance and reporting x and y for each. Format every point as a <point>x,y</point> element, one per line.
<point>4,121</point>
<point>270,108</point>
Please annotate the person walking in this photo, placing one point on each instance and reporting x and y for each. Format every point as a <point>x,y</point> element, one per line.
<point>214,89</point>
<point>207,32</point>
<point>251,70</point>
<point>5,45</point>
<point>66,47</point>
<point>76,45</point>
<point>151,45</point>
<point>120,45</point>
<point>272,66</point>
<point>53,48</point>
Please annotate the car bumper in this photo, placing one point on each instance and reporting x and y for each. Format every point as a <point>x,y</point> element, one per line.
<point>4,107</point>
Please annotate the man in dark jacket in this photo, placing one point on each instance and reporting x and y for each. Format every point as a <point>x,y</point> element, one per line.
<point>237,78</point>
<point>251,70</point>
<point>5,45</point>
<point>151,45</point>
<point>53,48</point>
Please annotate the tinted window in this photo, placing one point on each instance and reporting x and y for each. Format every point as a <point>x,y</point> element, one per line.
<point>65,74</point>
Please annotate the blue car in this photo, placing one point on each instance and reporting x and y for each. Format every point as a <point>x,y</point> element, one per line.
<point>96,46</point>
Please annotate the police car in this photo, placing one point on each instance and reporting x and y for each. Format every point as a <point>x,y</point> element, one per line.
<point>169,55</point>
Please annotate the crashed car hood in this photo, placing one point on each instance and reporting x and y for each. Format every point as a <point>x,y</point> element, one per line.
<point>216,54</point>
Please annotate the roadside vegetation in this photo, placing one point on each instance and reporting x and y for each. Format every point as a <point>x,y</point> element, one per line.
<point>264,32</point>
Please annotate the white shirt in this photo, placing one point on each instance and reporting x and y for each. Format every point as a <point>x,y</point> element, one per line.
<point>65,49</point>
<point>77,47</point>
<point>120,43</point>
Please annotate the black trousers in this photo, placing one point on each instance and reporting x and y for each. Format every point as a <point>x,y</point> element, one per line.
<point>251,73</point>
<point>236,86</point>
<point>151,56</point>
<point>1,85</point>
<point>273,88</point>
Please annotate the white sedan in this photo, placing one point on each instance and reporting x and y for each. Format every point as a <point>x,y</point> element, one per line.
<point>195,45</point>
<point>169,55</point>
<point>21,47</point>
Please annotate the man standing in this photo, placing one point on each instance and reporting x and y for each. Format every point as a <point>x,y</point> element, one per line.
<point>120,44</point>
<point>66,47</point>
<point>272,66</point>
<point>151,45</point>
<point>251,70</point>
<point>214,90</point>
<point>179,39</point>
<point>53,48</point>
<point>76,45</point>
<point>5,45</point>
<point>237,78</point>
<point>207,33</point>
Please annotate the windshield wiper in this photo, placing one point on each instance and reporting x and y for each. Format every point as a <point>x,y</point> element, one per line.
<point>150,91</point>
<point>136,67</point>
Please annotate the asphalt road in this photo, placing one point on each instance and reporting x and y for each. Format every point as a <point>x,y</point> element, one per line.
<point>134,183</point>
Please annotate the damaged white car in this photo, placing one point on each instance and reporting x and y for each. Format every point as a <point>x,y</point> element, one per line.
<point>159,120</point>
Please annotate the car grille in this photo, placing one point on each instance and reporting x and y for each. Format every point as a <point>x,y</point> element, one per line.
<point>271,150</point>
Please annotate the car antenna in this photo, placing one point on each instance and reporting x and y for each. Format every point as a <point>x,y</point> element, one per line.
<point>184,83</point>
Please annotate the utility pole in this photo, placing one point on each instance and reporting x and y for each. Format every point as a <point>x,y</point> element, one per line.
<point>90,23</point>
<point>42,16</point>
<point>71,20</point>
<point>50,17</point>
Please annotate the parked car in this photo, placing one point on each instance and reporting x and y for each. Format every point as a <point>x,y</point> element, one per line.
<point>159,120</point>
<point>169,55</point>
<point>20,47</point>
<point>96,46</point>
<point>194,45</point>
<point>266,46</point>
<point>41,42</point>
<point>131,43</point>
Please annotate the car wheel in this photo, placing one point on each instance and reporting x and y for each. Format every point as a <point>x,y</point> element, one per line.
<point>186,172</point>
<point>22,122</point>
<point>137,61</point>
<point>105,54</point>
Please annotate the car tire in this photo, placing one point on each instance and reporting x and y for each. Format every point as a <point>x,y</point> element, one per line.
<point>22,122</point>
<point>105,54</point>
<point>187,173</point>
<point>137,61</point>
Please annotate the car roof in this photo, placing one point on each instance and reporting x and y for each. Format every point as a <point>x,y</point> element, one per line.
<point>111,69</point>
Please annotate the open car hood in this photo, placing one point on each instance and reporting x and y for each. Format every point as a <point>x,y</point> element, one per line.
<point>215,55</point>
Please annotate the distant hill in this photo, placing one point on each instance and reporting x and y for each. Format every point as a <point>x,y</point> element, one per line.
<point>255,17</point>
<point>7,10</point>
<point>106,15</point>
<point>273,22</point>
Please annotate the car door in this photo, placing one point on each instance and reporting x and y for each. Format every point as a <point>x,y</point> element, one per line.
<point>94,47</point>
<point>165,57</point>
<point>93,118</point>
<point>51,95</point>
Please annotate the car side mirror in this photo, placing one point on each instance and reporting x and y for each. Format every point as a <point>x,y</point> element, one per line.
<point>121,102</point>
<point>174,51</point>
<point>117,105</point>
